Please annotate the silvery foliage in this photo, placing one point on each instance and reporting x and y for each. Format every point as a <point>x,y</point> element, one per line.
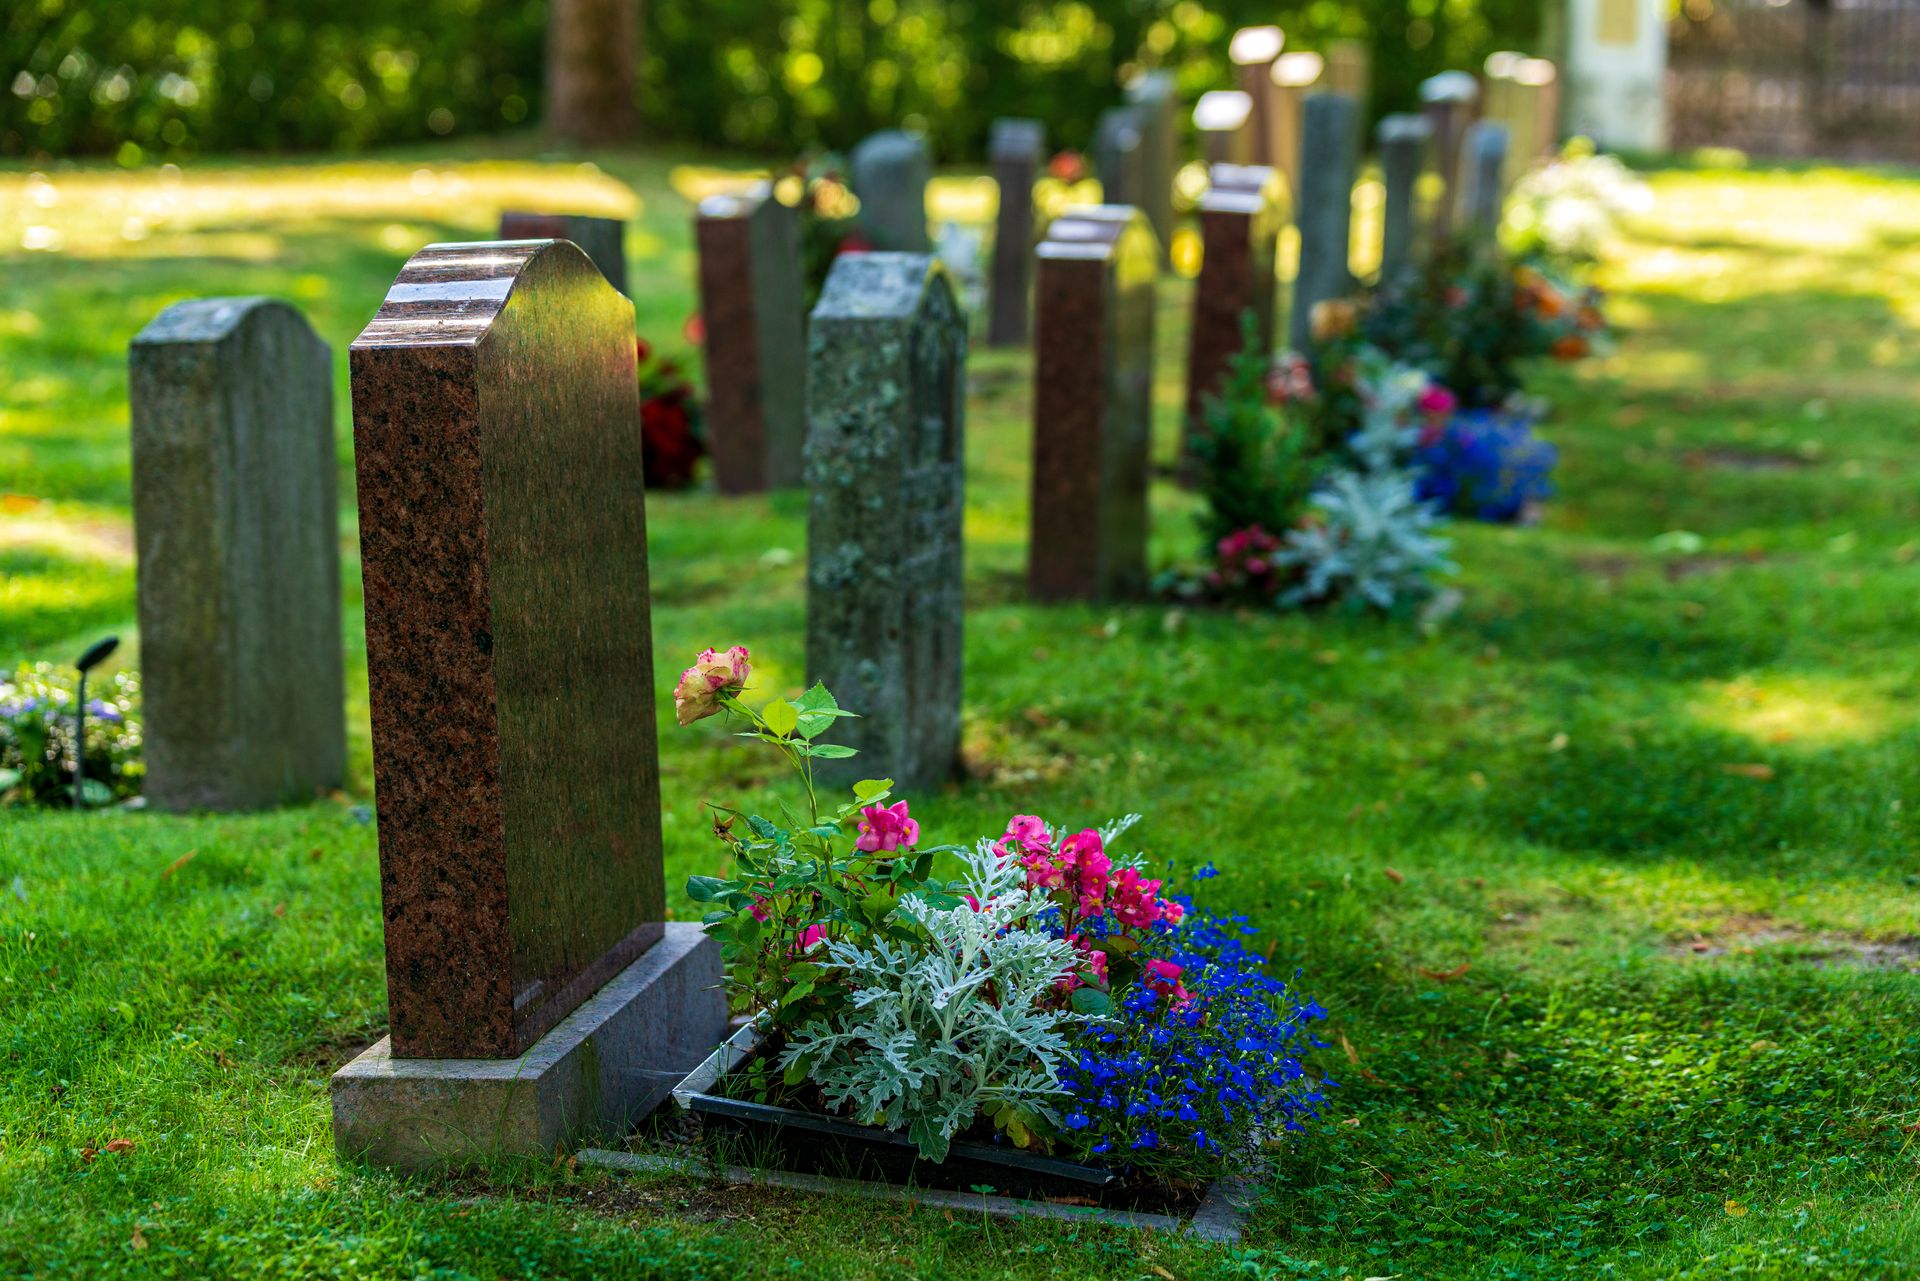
<point>1390,427</point>
<point>938,1031</point>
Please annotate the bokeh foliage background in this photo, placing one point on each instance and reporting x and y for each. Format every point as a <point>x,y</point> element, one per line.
<point>142,79</point>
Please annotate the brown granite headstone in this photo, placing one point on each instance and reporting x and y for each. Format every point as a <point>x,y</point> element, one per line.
<point>750,291</point>
<point>504,557</point>
<point>601,239</point>
<point>1240,220</point>
<point>1016,150</point>
<point>1092,405</point>
<point>1253,51</point>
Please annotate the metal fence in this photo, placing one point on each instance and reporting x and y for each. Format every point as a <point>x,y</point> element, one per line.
<point>1836,79</point>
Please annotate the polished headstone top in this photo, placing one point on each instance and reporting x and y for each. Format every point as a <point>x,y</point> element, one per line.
<point>1251,45</point>
<point>736,204</point>
<point>1450,86</point>
<point>1405,127</point>
<point>1297,70</point>
<point>1243,189</point>
<point>1222,109</point>
<point>1110,232</point>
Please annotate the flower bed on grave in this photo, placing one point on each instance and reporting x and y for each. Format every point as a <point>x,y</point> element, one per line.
<point>1030,1011</point>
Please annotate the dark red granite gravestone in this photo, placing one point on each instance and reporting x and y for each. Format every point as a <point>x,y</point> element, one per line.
<point>601,239</point>
<point>755,340</point>
<point>504,555</point>
<point>1092,404</point>
<point>1240,220</point>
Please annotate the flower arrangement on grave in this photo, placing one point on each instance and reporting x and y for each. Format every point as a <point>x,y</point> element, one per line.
<point>1562,213</point>
<point>671,439</point>
<point>37,744</point>
<point>988,991</point>
<point>816,186</point>
<point>1486,464</point>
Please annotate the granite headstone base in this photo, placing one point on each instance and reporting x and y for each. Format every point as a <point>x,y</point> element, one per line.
<point>597,1072</point>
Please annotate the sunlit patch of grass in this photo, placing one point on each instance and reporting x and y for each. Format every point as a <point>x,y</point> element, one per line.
<point>1795,709</point>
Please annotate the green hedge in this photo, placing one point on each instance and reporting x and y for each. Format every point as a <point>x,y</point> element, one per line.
<point>186,76</point>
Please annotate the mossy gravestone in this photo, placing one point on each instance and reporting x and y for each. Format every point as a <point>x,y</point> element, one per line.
<point>1325,215</point>
<point>1403,143</point>
<point>1092,405</point>
<point>750,291</point>
<point>604,240</point>
<point>237,526</point>
<point>889,171</point>
<point>532,989</point>
<point>1240,220</point>
<point>885,474</point>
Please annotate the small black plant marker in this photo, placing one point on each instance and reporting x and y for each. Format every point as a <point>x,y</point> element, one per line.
<point>95,655</point>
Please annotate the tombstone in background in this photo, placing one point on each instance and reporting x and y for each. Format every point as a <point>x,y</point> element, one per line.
<point>237,525</point>
<point>1240,220</point>
<point>1482,189</point>
<point>1092,405</point>
<point>887,350</point>
<point>1253,51</point>
<point>1543,74</point>
<point>1294,77</point>
<point>1016,149</point>
<point>1616,52</point>
<point>1350,71</point>
<point>1532,130</point>
<point>601,239</point>
<point>1117,156</point>
<point>1157,98</point>
<point>1223,119</point>
<point>1325,212</point>
<point>534,993</point>
<point>1403,142</point>
<point>889,171</point>
<point>1447,102</point>
<point>750,292</point>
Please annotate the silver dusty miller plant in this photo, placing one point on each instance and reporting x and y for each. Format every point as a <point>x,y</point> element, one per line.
<point>1375,543</point>
<point>940,1032</point>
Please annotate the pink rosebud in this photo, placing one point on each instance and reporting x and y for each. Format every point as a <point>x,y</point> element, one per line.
<point>886,827</point>
<point>711,677</point>
<point>759,909</point>
<point>1437,400</point>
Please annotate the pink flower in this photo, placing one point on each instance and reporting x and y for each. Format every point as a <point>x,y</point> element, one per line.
<point>886,827</point>
<point>1088,865</point>
<point>1437,400</point>
<point>810,936</point>
<point>1164,977</point>
<point>1172,912</point>
<point>759,909</point>
<point>1133,899</point>
<point>711,677</point>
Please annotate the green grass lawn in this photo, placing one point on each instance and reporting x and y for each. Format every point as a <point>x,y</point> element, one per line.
<point>1609,881</point>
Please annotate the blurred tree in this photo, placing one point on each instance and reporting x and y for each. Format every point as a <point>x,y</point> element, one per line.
<point>592,49</point>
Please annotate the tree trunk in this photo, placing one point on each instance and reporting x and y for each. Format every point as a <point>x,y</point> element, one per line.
<point>592,49</point>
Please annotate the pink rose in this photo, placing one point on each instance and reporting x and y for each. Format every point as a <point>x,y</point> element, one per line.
<point>711,677</point>
<point>886,827</point>
<point>759,909</point>
<point>811,936</point>
<point>1437,400</point>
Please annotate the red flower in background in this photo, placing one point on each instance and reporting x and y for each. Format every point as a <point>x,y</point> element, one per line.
<point>854,243</point>
<point>1067,166</point>
<point>670,437</point>
<point>695,330</point>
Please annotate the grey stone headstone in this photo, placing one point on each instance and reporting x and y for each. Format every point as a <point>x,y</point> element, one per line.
<point>1482,188</point>
<point>889,171</point>
<point>1447,102</point>
<point>750,301</point>
<point>1325,215</point>
<point>601,239</point>
<point>237,525</point>
<point>1404,142</point>
<point>887,348</point>
<point>1117,156</point>
<point>1157,98</point>
<point>1016,149</point>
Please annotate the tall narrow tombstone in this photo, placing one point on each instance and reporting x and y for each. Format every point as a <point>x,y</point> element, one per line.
<point>1118,160</point>
<point>532,989</point>
<point>1092,405</point>
<point>1544,76</point>
<point>1157,98</point>
<point>1240,220</point>
<point>750,291</point>
<point>1350,70</point>
<point>601,239</point>
<point>1253,51</point>
<point>887,347</point>
<point>1223,120</point>
<point>1403,142</point>
<point>1483,190</point>
<point>237,529</point>
<point>1294,77</point>
<point>1016,150</point>
<point>1325,213</point>
<point>1447,101</point>
<point>889,171</point>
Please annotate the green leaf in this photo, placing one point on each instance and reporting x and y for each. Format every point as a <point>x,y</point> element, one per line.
<point>1091,1001</point>
<point>705,889</point>
<point>872,789</point>
<point>796,1071</point>
<point>832,751</point>
<point>748,929</point>
<point>798,992</point>
<point>780,716</point>
<point>927,1137</point>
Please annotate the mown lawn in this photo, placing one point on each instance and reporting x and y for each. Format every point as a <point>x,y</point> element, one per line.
<point>1609,879</point>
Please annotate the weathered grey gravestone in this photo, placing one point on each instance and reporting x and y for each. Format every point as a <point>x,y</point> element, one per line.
<point>532,989</point>
<point>1482,189</point>
<point>1157,99</point>
<point>237,526</point>
<point>1325,214</point>
<point>1240,220</point>
<point>1447,101</point>
<point>887,347</point>
<point>889,171</point>
<point>1403,157</point>
<point>1117,157</point>
<point>1016,150</point>
<point>750,291</point>
<point>1224,118</point>
<point>1092,405</point>
<point>601,239</point>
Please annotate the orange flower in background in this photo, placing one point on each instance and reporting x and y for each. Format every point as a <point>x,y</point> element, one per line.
<point>1549,301</point>
<point>1571,347</point>
<point>695,330</point>
<point>1334,318</point>
<point>1590,318</point>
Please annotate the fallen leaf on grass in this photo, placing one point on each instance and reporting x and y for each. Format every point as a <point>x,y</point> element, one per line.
<point>177,864</point>
<point>1327,657</point>
<point>279,909</point>
<point>1353,1055</point>
<point>1736,1210</point>
<point>1162,1272</point>
<point>88,1153</point>
<point>1559,743</point>
<point>119,1145</point>
<point>1444,976</point>
<point>1398,878</point>
<point>1762,772</point>
<point>139,1241</point>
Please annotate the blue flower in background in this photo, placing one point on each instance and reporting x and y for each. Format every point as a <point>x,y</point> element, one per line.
<point>1486,464</point>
